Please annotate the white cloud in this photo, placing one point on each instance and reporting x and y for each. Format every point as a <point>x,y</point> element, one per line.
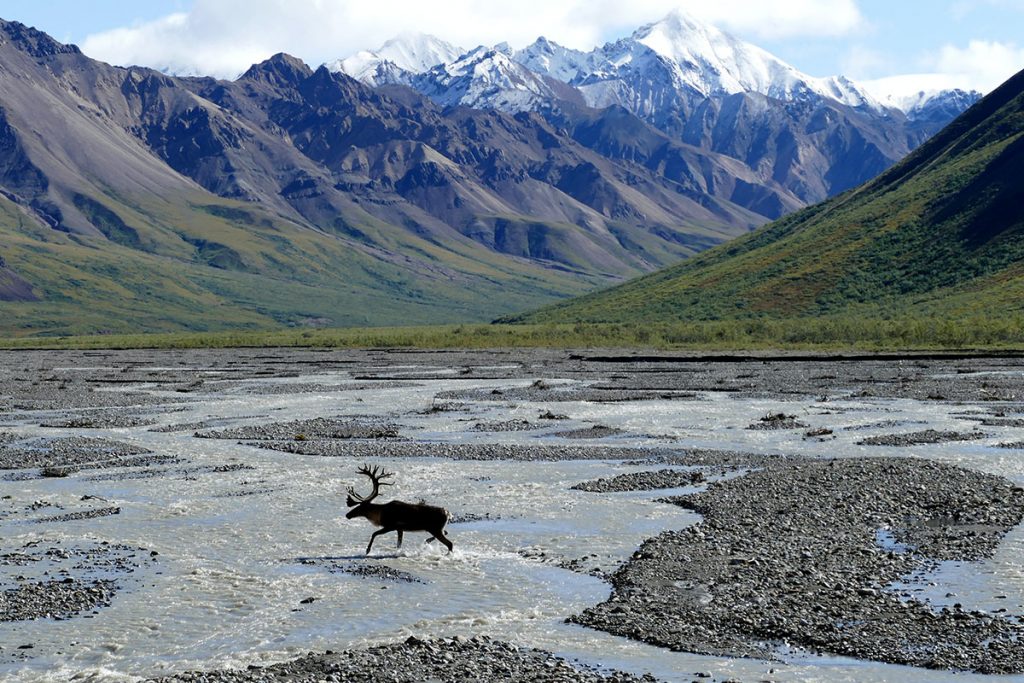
<point>985,64</point>
<point>223,37</point>
<point>981,66</point>
<point>861,61</point>
<point>782,19</point>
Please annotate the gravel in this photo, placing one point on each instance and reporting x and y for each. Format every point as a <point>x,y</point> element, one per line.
<point>91,575</point>
<point>1014,422</point>
<point>456,660</point>
<point>643,481</point>
<point>300,430</point>
<point>181,427</point>
<point>789,554</point>
<point>506,426</point>
<point>55,599</point>
<point>928,436</point>
<point>592,432</point>
<point>777,421</point>
<point>560,394</point>
<point>76,516</point>
<point>66,452</point>
<point>461,451</point>
<point>108,420</point>
<point>380,572</point>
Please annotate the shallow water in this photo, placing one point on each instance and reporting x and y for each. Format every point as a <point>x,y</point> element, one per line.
<point>232,570</point>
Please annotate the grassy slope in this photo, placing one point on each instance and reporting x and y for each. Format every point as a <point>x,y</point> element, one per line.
<point>1006,336</point>
<point>939,235</point>
<point>203,263</point>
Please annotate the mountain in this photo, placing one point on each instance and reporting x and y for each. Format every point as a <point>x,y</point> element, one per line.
<point>489,78</point>
<point>128,203</point>
<point>564,64</point>
<point>923,97</point>
<point>936,107</point>
<point>941,233</point>
<point>696,58</point>
<point>811,137</point>
<point>397,60</point>
<point>131,200</point>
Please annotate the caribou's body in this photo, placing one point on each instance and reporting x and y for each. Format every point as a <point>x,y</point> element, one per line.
<point>396,515</point>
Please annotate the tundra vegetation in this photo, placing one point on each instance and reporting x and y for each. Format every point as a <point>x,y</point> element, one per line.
<point>822,334</point>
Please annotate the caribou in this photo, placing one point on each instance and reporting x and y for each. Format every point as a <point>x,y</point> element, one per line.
<point>395,515</point>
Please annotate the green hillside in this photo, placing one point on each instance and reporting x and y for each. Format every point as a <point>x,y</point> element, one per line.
<point>213,264</point>
<point>939,235</point>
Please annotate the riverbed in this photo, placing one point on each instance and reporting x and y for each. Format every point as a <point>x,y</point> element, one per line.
<point>229,546</point>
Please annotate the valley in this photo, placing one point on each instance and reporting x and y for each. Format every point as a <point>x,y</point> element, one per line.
<point>298,196</point>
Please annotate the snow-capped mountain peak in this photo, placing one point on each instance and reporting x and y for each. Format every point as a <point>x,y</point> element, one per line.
<point>485,77</point>
<point>713,62</point>
<point>658,72</point>
<point>397,59</point>
<point>923,96</point>
<point>548,58</point>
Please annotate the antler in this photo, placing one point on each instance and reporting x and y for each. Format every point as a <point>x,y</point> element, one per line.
<point>377,475</point>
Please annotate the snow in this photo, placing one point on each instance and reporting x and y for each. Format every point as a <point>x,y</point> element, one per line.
<point>713,62</point>
<point>485,78</point>
<point>551,59</point>
<point>678,56</point>
<point>397,59</point>
<point>913,91</point>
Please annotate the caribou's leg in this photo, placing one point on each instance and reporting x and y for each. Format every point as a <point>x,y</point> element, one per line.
<point>439,535</point>
<point>399,538</point>
<point>373,537</point>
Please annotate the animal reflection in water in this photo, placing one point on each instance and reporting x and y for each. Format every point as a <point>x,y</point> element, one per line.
<point>395,515</point>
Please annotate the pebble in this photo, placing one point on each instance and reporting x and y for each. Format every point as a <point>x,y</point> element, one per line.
<point>788,554</point>
<point>429,659</point>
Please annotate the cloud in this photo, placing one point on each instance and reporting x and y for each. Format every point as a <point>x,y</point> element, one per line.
<point>783,19</point>
<point>983,63</point>
<point>224,37</point>
<point>860,61</point>
<point>981,66</point>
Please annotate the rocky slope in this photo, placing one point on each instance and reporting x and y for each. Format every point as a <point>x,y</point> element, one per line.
<point>937,235</point>
<point>815,137</point>
<point>292,195</point>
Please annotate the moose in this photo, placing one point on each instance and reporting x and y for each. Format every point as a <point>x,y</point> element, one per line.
<point>395,515</point>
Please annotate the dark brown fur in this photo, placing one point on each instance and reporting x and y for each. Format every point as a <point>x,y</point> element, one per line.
<point>396,515</point>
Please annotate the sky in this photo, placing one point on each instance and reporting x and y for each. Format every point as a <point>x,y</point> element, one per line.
<point>893,46</point>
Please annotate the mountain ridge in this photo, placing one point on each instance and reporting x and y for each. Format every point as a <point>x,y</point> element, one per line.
<point>136,200</point>
<point>706,88</point>
<point>938,234</point>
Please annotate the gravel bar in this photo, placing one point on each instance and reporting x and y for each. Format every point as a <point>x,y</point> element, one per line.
<point>476,659</point>
<point>317,428</point>
<point>643,481</point>
<point>928,436</point>
<point>790,554</point>
<point>592,432</point>
<point>459,451</point>
<point>57,599</point>
<point>66,452</point>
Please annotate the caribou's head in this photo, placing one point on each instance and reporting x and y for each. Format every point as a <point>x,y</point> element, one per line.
<point>361,505</point>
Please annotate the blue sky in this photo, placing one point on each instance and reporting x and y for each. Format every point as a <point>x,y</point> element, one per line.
<point>964,43</point>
